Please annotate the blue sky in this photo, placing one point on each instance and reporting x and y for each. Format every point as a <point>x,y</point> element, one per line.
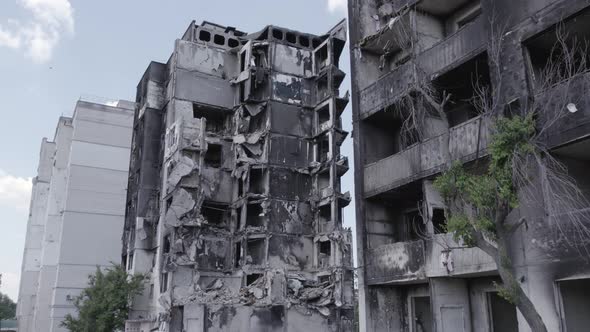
<point>54,51</point>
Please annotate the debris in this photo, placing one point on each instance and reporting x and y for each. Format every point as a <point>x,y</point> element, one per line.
<point>240,198</point>
<point>257,292</point>
<point>215,285</point>
<point>294,285</point>
<point>309,294</point>
<point>324,311</point>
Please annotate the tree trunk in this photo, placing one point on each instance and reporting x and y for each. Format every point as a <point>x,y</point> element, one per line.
<point>523,303</point>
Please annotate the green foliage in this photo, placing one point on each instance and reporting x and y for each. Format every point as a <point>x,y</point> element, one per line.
<point>486,226</point>
<point>452,181</point>
<point>509,293</point>
<point>478,191</point>
<point>483,192</point>
<point>512,136</point>
<point>461,228</point>
<point>7,308</point>
<point>104,305</point>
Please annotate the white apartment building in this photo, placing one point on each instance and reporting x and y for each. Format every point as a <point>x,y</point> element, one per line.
<point>77,211</point>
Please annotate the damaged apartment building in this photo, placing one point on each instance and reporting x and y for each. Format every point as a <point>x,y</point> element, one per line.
<point>413,276</point>
<point>77,205</point>
<point>234,208</point>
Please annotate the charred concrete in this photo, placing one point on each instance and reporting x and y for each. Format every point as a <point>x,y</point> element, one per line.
<point>413,276</point>
<point>234,203</point>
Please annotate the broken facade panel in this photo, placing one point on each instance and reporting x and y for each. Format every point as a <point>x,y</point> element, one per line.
<point>234,203</point>
<point>413,276</point>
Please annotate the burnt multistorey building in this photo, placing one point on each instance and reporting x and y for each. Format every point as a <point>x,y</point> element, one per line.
<point>234,207</point>
<point>413,276</point>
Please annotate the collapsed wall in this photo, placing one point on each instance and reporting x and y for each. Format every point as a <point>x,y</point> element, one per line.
<point>234,206</point>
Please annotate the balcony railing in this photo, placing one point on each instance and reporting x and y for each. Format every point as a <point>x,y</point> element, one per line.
<point>463,44</point>
<point>468,141</point>
<point>446,257</point>
<point>440,256</point>
<point>342,165</point>
<point>386,90</point>
<point>567,107</point>
<point>456,48</point>
<point>396,262</point>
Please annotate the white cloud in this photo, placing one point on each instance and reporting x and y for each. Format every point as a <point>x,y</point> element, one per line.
<point>9,39</point>
<point>40,43</point>
<point>337,5</point>
<point>10,282</point>
<point>15,191</point>
<point>54,13</point>
<point>42,32</point>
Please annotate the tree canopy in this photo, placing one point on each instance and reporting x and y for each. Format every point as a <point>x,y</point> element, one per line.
<point>104,305</point>
<point>7,308</point>
<point>475,200</point>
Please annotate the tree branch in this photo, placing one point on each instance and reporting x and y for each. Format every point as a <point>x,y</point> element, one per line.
<point>439,107</point>
<point>516,226</point>
<point>502,211</point>
<point>483,244</point>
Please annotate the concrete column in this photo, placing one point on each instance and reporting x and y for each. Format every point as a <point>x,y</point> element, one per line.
<point>450,305</point>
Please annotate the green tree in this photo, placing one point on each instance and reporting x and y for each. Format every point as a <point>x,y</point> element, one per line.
<point>479,203</point>
<point>7,307</point>
<point>104,305</point>
<point>520,169</point>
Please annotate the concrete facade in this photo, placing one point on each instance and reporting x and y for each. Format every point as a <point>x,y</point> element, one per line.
<point>413,276</point>
<point>77,206</point>
<point>234,203</point>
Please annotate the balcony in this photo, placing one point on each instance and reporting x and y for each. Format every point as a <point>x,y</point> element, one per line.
<point>405,262</point>
<point>397,262</point>
<point>459,260</point>
<point>327,84</point>
<point>327,195</point>
<point>465,43</point>
<point>391,38</point>
<point>342,165</point>
<point>468,141</point>
<point>386,90</point>
<point>568,104</point>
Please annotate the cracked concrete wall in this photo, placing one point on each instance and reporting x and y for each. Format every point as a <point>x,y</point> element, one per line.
<point>390,180</point>
<point>247,233</point>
